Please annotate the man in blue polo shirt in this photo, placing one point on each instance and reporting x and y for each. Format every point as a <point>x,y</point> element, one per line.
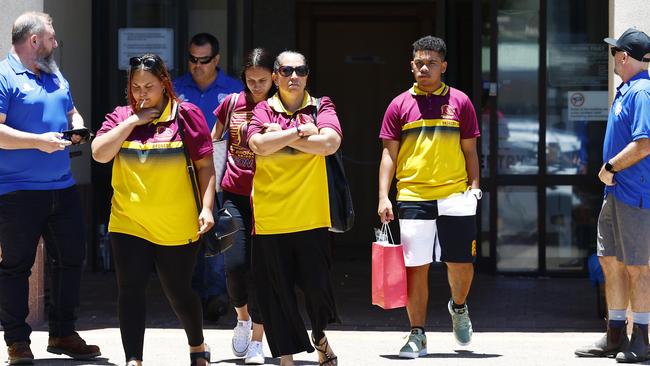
<point>206,85</point>
<point>624,221</point>
<point>38,196</point>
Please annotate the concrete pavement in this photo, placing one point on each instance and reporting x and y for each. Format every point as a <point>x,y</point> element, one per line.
<point>518,321</point>
<point>167,347</point>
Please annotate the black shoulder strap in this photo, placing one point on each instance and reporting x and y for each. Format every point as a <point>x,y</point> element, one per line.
<point>188,163</point>
<point>315,114</point>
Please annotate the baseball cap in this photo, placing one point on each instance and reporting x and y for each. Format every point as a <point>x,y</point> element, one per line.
<point>634,42</point>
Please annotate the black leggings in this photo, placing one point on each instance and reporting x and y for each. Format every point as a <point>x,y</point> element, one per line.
<point>134,258</point>
<point>239,277</point>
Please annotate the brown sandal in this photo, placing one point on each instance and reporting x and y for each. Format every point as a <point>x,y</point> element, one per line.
<point>330,358</point>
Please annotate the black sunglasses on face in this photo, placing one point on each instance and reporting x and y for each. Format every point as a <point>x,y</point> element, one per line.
<point>614,50</point>
<point>148,62</point>
<point>203,60</point>
<point>287,71</point>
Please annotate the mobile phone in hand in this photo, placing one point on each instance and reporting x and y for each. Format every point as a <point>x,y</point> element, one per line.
<point>84,133</point>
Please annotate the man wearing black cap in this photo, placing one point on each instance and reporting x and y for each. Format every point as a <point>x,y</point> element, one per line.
<point>624,221</point>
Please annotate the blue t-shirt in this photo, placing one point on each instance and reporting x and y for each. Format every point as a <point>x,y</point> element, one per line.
<point>629,120</point>
<point>35,105</point>
<point>209,99</point>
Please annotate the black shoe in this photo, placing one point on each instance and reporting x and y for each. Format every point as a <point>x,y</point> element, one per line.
<point>637,350</point>
<point>613,342</point>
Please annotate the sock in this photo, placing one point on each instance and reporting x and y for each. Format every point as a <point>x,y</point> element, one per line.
<point>616,318</point>
<point>455,306</point>
<point>641,320</point>
<point>417,330</point>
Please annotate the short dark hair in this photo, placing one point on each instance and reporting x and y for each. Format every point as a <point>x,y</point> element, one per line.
<point>430,43</point>
<point>201,39</point>
<point>258,57</point>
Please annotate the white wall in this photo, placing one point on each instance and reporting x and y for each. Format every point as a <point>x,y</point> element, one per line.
<point>11,10</point>
<point>624,14</point>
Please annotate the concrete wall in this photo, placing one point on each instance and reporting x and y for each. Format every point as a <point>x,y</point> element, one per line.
<point>623,15</point>
<point>11,10</point>
<point>72,23</point>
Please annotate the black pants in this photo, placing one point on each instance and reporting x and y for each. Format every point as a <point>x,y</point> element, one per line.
<point>24,217</point>
<point>239,277</point>
<point>134,258</point>
<point>281,262</point>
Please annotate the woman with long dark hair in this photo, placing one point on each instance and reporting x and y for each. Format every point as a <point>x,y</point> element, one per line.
<point>154,219</point>
<point>237,185</point>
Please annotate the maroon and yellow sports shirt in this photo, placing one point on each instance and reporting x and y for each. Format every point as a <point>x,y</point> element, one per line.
<point>429,127</point>
<point>152,194</point>
<point>290,187</point>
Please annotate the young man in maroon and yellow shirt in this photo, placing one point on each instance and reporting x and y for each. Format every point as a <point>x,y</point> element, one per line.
<point>429,136</point>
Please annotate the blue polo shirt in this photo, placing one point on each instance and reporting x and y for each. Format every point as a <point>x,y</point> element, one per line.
<point>629,120</point>
<point>209,99</point>
<point>37,105</point>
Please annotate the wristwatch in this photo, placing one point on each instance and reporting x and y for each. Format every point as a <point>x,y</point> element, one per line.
<point>610,168</point>
<point>299,130</point>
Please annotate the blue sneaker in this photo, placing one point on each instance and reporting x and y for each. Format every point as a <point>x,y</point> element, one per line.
<point>462,324</point>
<point>416,345</point>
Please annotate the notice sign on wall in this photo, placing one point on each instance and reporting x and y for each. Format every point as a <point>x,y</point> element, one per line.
<point>137,41</point>
<point>588,105</point>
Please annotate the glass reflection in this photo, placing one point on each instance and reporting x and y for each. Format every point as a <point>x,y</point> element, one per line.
<point>517,106</point>
<point>577,100</point>
<point>517,229</point>
<point>571,218</point>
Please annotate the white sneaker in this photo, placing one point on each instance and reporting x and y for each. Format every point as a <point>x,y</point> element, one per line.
<point>241,338</point>
<point>255,354</point>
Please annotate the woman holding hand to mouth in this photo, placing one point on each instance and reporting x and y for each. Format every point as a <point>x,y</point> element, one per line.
<point>291,211</point>
<point>154,219</point>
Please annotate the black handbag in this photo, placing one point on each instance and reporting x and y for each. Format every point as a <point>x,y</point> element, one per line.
<point>221,236</point>
<point>341,207</point>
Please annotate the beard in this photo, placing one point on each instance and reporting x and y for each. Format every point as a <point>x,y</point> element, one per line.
<point>46,63</point>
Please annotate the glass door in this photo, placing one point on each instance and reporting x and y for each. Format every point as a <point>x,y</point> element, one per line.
<point>540,147</point>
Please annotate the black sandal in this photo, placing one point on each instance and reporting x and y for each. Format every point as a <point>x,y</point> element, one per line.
<point>330,359</point>
<point>195,356</point>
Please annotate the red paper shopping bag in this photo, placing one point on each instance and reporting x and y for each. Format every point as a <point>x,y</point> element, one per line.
<point>388,275</point>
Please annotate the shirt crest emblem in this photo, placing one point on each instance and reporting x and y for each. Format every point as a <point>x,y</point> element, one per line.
<point>26,87</point>
<point>447,112</point>
<point>618,108</point>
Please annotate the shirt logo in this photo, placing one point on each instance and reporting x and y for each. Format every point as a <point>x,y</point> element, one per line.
<point>182,97</point>
<point>447,112</point>
<point>26,88</point>
<point>221,97</point>
<point>618,108</point>
<point>163,133</point>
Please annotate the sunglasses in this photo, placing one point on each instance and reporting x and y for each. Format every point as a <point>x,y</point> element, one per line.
<point>202,60</point>
<point>614,50</point>
<point>148,62</point>
<point>287,71</point>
